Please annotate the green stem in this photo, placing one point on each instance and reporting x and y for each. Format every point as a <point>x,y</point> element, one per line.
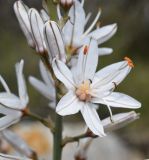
<point>57,149</point>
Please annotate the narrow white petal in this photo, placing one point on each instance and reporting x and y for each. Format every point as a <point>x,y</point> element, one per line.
<point>42,88</point>
<point>9,120</point>
<point>4,84</point>
<point>74,28</point>
<point>46,76</point>
<point>37,26</point>
<point>10,100</point>
<point>21,84</point>
<point>121,100</point>
<point>69,104</point>
<point>21,11</point>
<point>7,111</point>
<point>54,41</point>
<point>87,62</point>
<point>112,74</point>
<point>17,142</point>
<point>104,51</point>
<point>104,33</point>
<point>63,73</point>
<point>10,157</point>
<point>92,120</point>
<point>44,15</point>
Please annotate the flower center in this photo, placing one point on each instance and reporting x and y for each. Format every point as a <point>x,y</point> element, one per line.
<point>83,91</point>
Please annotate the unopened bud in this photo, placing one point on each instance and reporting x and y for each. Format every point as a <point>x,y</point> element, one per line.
<point>37,26</point>
<point>66,4</point>
<point>21,11</point>
<point>54,41</point>
<point>120,120</point>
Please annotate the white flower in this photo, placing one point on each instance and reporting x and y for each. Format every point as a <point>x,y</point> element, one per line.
<point>47,87</point>
<point>12,105</point>
<point>32,23</point>
<point>75,34</point>
<point>87,89</point>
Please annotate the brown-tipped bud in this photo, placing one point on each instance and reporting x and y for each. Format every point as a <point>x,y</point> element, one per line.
<point>54,41</point>
<point>66,4</point>
<point>21,11</point>
<point>37,26</point>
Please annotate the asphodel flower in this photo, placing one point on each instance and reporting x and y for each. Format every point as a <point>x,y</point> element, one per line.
<point>75,34</point>
<point>88,88</point>
<point>32,23</point>
<point>12,106</point>
<point>47,87</point>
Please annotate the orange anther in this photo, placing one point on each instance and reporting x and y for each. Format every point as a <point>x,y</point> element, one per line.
<point>86,48</point>
<point>130,62</point>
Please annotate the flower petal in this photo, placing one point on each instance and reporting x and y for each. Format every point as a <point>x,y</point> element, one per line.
<point>21,84</point>
<point>92,120</point>
<point>46,76</point>
<point>87,62</point>
<point>74,27</point>
<point>44,15</point>
<point>104,51</point>
<point>120,100</point>
<point>69,104</point>
<point>42,88</point>
<point>10,100</point>
<point>54,41</point>
<point>37,26</point>
<point>104,33</point>
<point>111,75</point>
<point>21,11</point>
<point>17,142</point>
<point>63,73</point>
<point>4,84</point>
<point>11,117</point>
<point>10,157</point>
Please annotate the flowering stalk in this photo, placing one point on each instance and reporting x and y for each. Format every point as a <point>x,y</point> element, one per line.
<point>57,149</point>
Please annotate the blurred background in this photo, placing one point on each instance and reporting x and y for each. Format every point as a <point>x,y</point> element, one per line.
<point>131,39</point>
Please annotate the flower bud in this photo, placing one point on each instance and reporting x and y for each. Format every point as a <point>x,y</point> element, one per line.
<point>54,41</point>
<point>44,15</point>
<point>37,26</point>
<point>66,4</point>
<point>120,120</point>
<point>21,11</point>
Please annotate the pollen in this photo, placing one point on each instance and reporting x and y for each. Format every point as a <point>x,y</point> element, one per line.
<point>129,61</point>
<point>86,48</point>
<point>83,91</point>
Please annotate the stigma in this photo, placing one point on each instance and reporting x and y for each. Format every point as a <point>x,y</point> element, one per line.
<point>83,91</point>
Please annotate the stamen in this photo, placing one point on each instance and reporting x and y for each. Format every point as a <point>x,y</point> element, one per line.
<point>110,111</point>
<point>93,23</point>
<point>130,62</point>
<point>86,48</point>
